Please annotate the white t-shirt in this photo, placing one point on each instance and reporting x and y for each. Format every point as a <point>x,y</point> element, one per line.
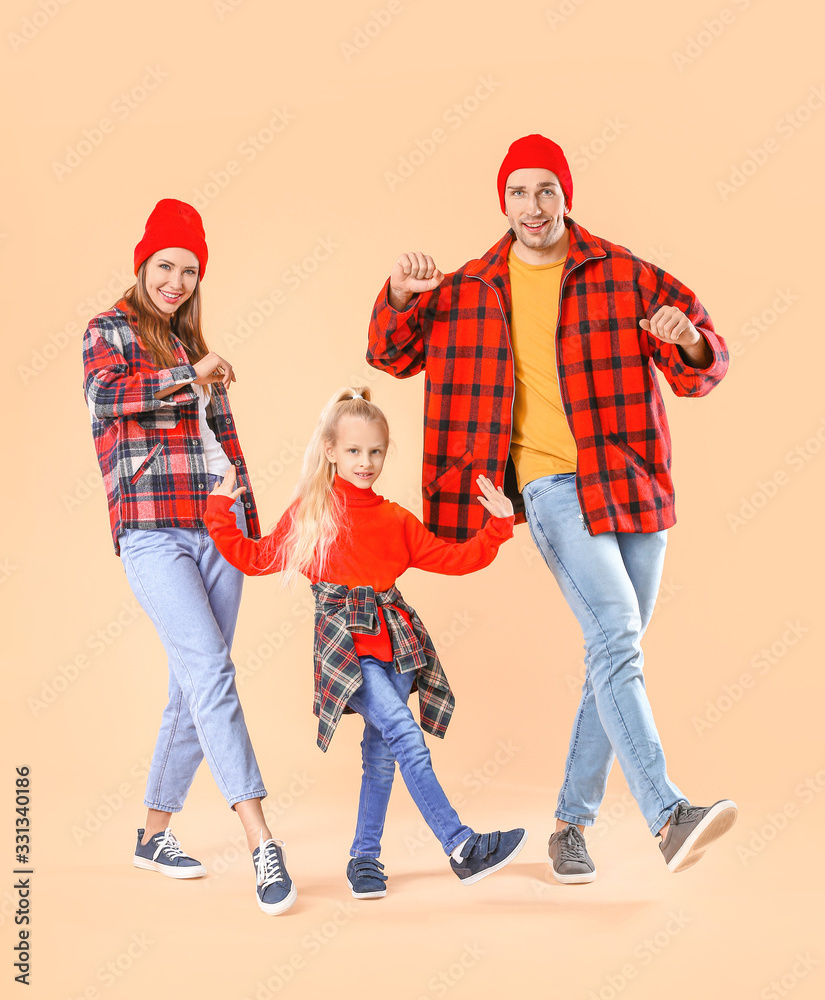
<point>217,464</point>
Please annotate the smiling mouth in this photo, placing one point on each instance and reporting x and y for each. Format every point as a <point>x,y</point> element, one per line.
<point>534,227</point>
<point>168,295</point>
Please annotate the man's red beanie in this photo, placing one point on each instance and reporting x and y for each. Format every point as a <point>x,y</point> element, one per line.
<point>173,224</point>
<point>536,151</point>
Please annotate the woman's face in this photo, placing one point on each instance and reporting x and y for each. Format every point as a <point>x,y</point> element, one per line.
<point>359,451</point>
<point>171,276</point>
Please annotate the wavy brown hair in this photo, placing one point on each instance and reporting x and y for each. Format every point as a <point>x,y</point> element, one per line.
<point>153,327</point>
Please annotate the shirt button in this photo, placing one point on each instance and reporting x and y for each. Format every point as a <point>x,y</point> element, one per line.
<point>238,461</point>
<point>229,420</point>
<point>201,486</point>
<point>248,506</point>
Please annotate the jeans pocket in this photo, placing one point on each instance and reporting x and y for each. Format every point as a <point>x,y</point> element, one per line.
<point>541,487</point>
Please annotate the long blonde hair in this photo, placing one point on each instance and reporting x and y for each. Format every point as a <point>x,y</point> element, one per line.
<point>317,511</point>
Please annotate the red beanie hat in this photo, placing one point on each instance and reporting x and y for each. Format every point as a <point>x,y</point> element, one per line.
<point>536,151</point>
<point>173,224</point>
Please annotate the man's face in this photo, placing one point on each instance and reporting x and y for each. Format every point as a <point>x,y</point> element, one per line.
<point>534,202</point>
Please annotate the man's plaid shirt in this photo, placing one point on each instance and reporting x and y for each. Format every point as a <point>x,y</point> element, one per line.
<point>339,611</point>
<point>150,450</point>
<point>459,335</point>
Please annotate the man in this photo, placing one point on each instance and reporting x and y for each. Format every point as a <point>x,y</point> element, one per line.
<point>539,359</point>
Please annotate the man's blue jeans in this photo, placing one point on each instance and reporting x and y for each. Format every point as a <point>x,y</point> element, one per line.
<point>192,595</point>
<point>391,733</point>
<point>610,582</point>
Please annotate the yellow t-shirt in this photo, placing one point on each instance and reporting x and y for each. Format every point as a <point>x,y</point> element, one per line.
<point>542,444</point>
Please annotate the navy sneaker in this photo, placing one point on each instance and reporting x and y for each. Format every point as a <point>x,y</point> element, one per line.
<point>569,860</point>
<point>162,853</point>
<point>693,829</point>
<point>365,879</point>
<point>485,853</point>
<point>274,887</point>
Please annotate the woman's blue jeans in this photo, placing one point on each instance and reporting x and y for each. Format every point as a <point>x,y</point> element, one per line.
<point>192,595</point>
<point>391,734</point>
<point>610,582</point>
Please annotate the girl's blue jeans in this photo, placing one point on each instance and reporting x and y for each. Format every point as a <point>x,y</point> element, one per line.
<point>610,582</point>
<point>391,734</point>
<point>192,595</point>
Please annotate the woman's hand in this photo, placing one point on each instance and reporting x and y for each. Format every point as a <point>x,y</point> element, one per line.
<point>494,499</point>
<point>226,487</point>
<point>213,368</point>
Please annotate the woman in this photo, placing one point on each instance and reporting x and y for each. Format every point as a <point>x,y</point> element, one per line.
<point>164,435</point>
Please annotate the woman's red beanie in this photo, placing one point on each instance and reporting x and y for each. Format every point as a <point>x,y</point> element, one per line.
<point>536,151</point>
<point>173,224</point>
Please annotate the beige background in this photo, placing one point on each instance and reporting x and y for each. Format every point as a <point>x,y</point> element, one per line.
<point>657,108</point>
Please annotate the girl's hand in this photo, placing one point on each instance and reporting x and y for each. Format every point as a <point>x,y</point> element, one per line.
<point>494,499</point>
<point>226,487</point>
<point>213,368</point>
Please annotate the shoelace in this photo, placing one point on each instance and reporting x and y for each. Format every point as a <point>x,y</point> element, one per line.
<point>168,843</point>
<point>572,845</point>
<point>268,868</point>
<point>368,868</point>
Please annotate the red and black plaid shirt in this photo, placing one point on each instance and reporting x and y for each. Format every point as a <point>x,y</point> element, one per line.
<point>150,450</point>
<point>459,335</point>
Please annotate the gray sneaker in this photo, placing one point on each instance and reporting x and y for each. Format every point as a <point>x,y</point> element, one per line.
<point>691,831</point>
<point>569,860</point>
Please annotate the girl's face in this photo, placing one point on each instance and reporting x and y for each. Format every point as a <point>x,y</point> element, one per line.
<point>171,276</point>
<point>358,451</point>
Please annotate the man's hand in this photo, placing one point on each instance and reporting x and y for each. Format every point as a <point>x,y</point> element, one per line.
<point>494,499</point>
<point>671,326</point>
<point>412,274</point>
<point>213,368</point>
<point>226,487</point>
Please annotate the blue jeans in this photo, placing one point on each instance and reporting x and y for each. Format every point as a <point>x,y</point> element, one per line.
<point>391,734</point>
<point>192,596</point>
<point>610,582</point>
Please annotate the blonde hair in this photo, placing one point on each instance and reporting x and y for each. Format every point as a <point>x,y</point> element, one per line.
<point>317,512</point>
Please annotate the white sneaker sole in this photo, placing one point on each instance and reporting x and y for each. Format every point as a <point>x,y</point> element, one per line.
<point>377,894</point>
<point>273,909</point>
<point>718,821</point>
<point>489,871</point>
<point>170,871</point>
<point>573,879</point>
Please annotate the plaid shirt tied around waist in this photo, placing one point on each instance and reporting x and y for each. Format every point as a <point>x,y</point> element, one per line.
<point>339,612</point>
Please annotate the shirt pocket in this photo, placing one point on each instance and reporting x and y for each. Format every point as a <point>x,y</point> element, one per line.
<point>164,418</point>
<point>142,466</point>
<point>450,475</point>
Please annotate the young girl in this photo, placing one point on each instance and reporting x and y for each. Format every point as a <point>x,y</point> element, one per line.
<point>164,435</point>
<point>371,649</point>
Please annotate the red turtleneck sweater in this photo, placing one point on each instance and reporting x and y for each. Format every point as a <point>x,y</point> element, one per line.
<point>377,541</point>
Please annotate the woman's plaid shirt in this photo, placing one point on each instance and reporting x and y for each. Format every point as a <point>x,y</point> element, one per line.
<point>150,450</point>
<point>459,335</point>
